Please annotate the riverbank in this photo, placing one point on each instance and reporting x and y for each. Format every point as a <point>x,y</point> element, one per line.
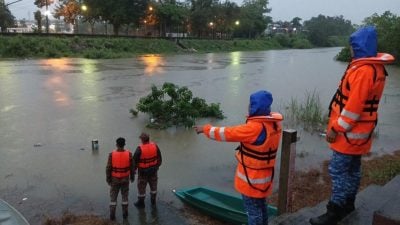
<point>377,170</point>
<point>23,46</point>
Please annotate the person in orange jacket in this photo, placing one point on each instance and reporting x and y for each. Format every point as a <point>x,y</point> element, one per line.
<point>259,140</point>
<point>148,159</point>
<point>352,118</point>
<point>119,171</point>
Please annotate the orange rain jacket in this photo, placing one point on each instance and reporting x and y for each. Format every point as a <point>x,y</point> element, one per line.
<point>353,109</point>
<point>256,159</point>
<point>120,163</point>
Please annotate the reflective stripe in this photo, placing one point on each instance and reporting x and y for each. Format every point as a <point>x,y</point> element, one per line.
<point>113,203</point>
<point>254,181</point>
<point>351,115</point>
<point>357,135</point>
<point>124,203</point>
<point>141,195</point>
<point>344,124</point>
<point>153,192</point>
<point>212,133</point>
<point>222,133</point>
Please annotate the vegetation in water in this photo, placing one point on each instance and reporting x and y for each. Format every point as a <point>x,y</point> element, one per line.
<point>308,114</point>
<point>175,106</point>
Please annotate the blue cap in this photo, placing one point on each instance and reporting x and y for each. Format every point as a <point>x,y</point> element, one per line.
<point>260,103</point>
<point>364,42</point>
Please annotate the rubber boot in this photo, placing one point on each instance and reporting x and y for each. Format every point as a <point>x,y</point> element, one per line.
<point>140,202</point>
<point>124,211</point>
<point>153,199</point>
<point>112,212</point>
<point>332,216</point>
<point>349,206</point>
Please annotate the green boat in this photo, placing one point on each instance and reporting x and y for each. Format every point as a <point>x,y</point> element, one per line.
<point>218,204</point>
<point>10,216</point>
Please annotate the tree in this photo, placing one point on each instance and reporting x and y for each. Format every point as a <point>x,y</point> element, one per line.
<point>201,15</point>
<point>388,28</point>
<point>252,17</point>
<point>172,16</point>
<point>296,22</point>
<point>38,17</point>
<point>41,4</point>
<point>69,10</point>
<point>322,28</point>
<point>121,12</point>
<point>6,18</point>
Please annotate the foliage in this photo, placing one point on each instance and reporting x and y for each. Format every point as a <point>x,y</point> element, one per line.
<point>6,18</point>
<point>253,21</point>
<point>344,55</point>
<point>173,105</point>
<point>388,28</point>
<point>68,9</point>
<point>171,16</point>
<point>118,13</point>
<point>321,28</point>
<point>308,114</point>
<point>43,3</point>
<point>292,41</point>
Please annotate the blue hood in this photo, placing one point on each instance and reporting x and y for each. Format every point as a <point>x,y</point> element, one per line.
<point>260,103</point>
<point>364,42</point>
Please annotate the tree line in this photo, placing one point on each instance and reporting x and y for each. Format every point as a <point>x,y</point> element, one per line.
<point>213,19</point>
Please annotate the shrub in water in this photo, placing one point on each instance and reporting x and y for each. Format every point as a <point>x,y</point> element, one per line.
<point>173,105</point>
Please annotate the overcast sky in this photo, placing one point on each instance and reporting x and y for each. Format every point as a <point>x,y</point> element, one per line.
<point>286,10</point>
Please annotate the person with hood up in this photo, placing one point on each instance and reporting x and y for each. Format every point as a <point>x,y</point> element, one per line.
<point>259,140</point>
<point>353,115</point>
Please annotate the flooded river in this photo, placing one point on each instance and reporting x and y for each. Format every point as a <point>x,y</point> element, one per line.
<point>50,110</point>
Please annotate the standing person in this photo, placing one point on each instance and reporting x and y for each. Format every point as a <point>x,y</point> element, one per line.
<point>119,171</point>
<point>353,117</point>
<point>259,140</point>
<point>147,160</point>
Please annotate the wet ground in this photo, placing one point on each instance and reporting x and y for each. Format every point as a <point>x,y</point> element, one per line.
<point>51,110</point>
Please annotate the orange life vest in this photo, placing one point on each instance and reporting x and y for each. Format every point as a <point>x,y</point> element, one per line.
<point>259,141</point>
<point>354,107</point>
<point>120,163</point>
<point>148,156</point>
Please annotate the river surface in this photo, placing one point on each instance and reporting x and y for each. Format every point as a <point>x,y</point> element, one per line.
<point>51,110</point>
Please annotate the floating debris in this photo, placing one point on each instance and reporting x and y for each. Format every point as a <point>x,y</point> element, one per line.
<point>38,145</point>
<point>82,149</point>
<point>24,199</point>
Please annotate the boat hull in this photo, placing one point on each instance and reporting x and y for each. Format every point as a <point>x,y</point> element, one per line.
<point>217,204</point>
<point>10,216</point>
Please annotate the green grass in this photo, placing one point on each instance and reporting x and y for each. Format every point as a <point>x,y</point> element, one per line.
<point>21,46</point>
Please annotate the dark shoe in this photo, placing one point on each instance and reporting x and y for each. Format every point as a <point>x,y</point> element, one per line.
<point>112,212</point>
<point>349,206</point>
<point>124,211</point>
<point>332,216</point>
<point>139,203</point>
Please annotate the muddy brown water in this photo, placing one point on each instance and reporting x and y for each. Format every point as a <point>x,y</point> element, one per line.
<point>51,110</point>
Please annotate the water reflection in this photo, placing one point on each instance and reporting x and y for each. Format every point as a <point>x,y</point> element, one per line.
<point>153,64</point>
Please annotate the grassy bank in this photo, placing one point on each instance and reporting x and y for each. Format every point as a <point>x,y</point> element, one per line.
<point>118,47</point>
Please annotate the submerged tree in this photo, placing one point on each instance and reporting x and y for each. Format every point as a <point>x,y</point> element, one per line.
<point>173,105</point>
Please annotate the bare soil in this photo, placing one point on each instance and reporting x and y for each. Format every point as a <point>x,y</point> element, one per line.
<point>306,184</point>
